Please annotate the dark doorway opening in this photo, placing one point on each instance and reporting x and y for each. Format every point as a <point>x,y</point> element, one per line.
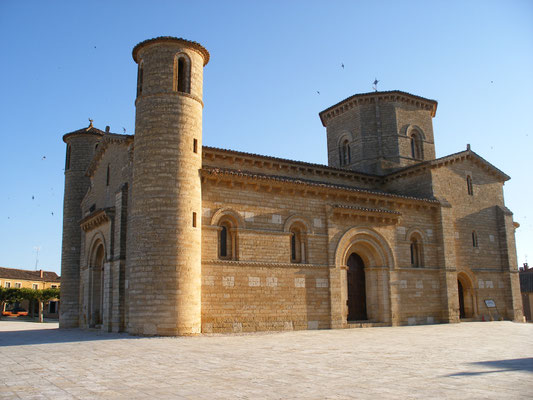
<point>462,313</point>
<point>356,289</point>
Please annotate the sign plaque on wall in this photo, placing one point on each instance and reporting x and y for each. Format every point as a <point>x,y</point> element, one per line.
<point>490,303</point>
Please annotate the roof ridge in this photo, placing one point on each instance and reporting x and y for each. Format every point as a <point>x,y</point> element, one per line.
<point>436,161</point>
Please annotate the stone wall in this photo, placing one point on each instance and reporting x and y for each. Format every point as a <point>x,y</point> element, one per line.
<point>82,147</point>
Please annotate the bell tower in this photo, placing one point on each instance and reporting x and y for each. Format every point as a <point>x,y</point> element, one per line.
<point>379,132</point>
<point>164,255</point>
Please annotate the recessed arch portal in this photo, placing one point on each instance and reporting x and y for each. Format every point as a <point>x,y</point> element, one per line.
<point>365,259</point>
<point>465,292</point>
<point>368,244</point>
<point>96,283</point>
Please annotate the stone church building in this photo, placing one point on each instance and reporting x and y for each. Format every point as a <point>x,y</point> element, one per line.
<point>165,236</point>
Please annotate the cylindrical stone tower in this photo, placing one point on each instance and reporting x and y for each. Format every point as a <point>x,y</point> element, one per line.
<point>164,243</point>
<point>81,145</point>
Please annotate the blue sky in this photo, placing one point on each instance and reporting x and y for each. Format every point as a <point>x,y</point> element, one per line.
<point>66,61</point>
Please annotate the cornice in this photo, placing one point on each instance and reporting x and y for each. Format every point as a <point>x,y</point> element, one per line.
<point>97,218</point>
<point>370,214</point>
<point>262,161</point>
<point>445,161</point>
<point>170,39</point>
<point>90,131</point>
<point>307,186</point>
<point>166,94</point>
<point>371,98</point>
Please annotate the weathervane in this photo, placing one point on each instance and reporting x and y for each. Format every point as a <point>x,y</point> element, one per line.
<point>375,85</point>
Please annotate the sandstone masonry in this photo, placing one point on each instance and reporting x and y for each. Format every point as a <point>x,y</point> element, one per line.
<point>165,236</point>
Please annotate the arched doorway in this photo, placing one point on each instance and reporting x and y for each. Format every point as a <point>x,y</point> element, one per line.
<point>96,298</point>
<point>462,313</point>
<point>465,293</point>
<point>356,288</point>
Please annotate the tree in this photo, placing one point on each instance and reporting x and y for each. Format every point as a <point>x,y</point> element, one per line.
<point>9,295</point>
<point>44,296</point>
<point>30,295</point>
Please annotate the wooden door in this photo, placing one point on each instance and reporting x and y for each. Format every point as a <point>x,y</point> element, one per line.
<point>462,313</point>
<point>356,289</point>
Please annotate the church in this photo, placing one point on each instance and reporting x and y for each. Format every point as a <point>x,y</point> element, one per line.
<point>165,236</point>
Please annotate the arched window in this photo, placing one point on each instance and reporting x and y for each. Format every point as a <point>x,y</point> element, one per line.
<point>416,146</point>
<point>415,253</point>
<point>298,243</point>
<point>469,186</point>
<point>140,79</point>
<point>67,158</point>
<point>227,247</point>
<point>345,156</point>
<point>182,73</point>
<point>474,239</point>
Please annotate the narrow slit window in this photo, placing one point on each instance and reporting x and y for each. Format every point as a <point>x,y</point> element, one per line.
<point>195,145</point>
<point>469,186</point>
<point>415,254</point>
<point>345,153</point>
<point>67,160</point>
<point>223,242</point>
<point>194,220</point>
<point>293,246</point>
<point>297,244</point>
<point>108,173</point>
<point>416,146</point>
<point>474,239</point>
<point>140,80</point>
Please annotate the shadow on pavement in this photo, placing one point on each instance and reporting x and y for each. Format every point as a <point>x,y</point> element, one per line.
<point>45,336</point>
<point>516,364</point>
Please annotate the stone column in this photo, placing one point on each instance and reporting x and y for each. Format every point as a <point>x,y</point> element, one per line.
<point>450,295</point>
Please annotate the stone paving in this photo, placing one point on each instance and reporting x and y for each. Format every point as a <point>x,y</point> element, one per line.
<point>483,360</point>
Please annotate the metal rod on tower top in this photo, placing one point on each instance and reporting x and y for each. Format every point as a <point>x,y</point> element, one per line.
<point>37,248</point>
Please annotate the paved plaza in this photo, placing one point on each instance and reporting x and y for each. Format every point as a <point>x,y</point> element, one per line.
<point>483,360</point>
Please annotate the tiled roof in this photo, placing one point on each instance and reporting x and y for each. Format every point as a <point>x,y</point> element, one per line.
<point>90,130</point>
<point>286,179</point>
<point>289,161</point>
<point>195,45</point>
<point>450,157</point>
<point>23,274</point>
<point>430,103</point>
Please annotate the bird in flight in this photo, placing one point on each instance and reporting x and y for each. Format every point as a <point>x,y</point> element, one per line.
<point>342,65</point>
<point>318,92</point>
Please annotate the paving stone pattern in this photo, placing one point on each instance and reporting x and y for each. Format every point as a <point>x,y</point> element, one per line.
<point>477,360</point>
